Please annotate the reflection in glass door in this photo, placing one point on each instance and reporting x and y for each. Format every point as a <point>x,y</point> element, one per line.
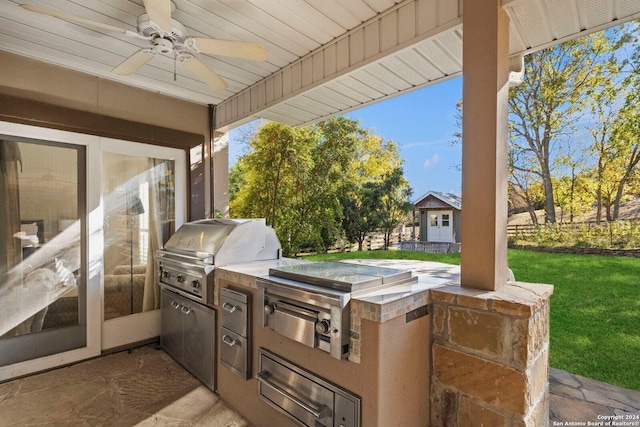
<point>42,249</point>
<point>139,216</point>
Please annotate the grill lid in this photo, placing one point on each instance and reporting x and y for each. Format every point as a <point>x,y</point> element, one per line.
<point>223,241</point>
<point>205,236</point>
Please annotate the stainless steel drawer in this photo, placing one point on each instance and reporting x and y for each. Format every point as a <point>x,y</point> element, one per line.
<point>296,323</point>
<point>235,314</point>
<point>306,398</point>
<point>234,353</point>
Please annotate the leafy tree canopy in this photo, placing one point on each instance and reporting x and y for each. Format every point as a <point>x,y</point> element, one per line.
<point>313,183</point>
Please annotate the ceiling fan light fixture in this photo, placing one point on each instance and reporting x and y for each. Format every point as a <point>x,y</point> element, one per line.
<point>163,46</point>
<point>182,56</point>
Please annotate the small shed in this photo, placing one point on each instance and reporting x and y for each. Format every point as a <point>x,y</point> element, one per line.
<point>439,216</point>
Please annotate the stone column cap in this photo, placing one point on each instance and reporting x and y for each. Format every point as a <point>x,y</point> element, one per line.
<point>517,298</point>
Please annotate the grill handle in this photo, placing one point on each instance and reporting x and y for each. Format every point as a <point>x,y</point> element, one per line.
<point>182,258</point>
<point>322,411</point>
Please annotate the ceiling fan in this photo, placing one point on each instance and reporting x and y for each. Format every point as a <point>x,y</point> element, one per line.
<point>169,37</point>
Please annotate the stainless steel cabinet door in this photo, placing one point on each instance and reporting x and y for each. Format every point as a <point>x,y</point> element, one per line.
<point>199,341</point>
<point>172,336</point>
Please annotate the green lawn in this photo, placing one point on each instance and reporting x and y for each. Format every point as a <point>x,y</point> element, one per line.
<point>595,308</point>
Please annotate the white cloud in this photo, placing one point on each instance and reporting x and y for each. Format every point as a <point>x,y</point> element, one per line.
<point>431,161</point>
<point>420,144</point>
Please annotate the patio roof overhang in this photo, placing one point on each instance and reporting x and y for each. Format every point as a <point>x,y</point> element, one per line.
<point>414,44</point>
<point>323,57</point>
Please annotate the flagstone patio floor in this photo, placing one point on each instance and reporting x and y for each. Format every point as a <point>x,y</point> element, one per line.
<point>145,387</point>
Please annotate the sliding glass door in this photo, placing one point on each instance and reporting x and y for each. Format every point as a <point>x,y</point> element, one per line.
<point>140,214</point>
<point>80,219</point>
<point>42,248</point>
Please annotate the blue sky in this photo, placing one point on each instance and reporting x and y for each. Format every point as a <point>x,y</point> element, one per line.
<point>422,123</point>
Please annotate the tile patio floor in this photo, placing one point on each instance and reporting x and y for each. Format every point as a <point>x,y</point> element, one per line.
<point>145,387</point>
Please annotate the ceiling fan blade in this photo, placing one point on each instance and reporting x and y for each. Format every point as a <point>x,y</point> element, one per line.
<point>234,49</point>
<point>134,62</point>
<point>204,73</point>
<point>159,11</point>
<point>72,18</point>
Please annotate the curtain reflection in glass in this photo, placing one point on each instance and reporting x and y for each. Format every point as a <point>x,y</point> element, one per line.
<point>131,238</point>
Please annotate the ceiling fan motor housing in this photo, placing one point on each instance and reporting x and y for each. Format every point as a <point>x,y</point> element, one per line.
<point>148,29</point>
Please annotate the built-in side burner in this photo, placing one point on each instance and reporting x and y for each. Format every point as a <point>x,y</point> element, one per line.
<point>309,303</point>
<point>342,276</point>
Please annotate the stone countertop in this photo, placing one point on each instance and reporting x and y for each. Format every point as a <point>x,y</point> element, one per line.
<point>245,275</point>
<point>377,305</point>
<point>259,268</point>
<point>381,305</point>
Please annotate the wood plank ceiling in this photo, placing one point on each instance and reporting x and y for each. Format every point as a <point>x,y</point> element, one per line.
<point>323,56</point>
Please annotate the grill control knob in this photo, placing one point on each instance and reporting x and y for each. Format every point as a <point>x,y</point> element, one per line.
<point>180,278</point>
<point>165,273</point>
<point>322,327</point>
<point>269,309</point>
<point>195,284</point>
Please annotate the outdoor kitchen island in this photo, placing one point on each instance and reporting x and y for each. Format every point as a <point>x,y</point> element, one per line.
<point>387,368</point>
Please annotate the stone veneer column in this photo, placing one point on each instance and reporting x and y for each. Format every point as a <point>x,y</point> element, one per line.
<point>490,352</point>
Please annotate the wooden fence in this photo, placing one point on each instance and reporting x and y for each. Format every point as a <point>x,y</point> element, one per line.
<point>529,229</point>
<point>373,241</point>
<point>430,247</point>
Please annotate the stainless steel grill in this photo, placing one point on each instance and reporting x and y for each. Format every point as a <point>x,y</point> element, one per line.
<point>187,262</point>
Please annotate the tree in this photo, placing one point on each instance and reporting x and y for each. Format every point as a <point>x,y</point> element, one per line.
<point>626,129</point>
<point>316,210</point>
<point>626,147</point>
<point>613,104</point>
<point>525,184</point>
<point>546,106</point>
<point>574,194</point>
<point>378,194</point>
<point>292,177</point>
<point>395,202</point>
<point>276,153</point>
<point>360,215</point>
<point>237,178</point>
<point>312,182</point>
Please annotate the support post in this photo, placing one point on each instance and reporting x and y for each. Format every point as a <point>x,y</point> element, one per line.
<point>484,145</point>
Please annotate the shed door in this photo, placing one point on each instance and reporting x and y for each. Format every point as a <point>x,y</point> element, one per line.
<point>440,226</point>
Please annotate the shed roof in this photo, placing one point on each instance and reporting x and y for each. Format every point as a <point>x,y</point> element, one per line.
<point>451,199</point>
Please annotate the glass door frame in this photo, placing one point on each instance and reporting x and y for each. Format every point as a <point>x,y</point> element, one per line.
<point>140,327</point>
<point>99,335</point>
<point>91,234</point>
